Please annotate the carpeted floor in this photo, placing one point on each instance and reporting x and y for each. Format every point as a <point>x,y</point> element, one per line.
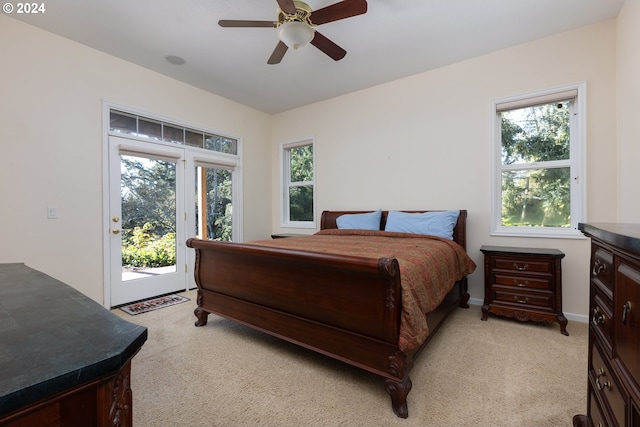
<point>473,373</point>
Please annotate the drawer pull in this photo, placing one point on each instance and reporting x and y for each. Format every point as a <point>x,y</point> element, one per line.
<point>598,318</point>
<point>598,268</point>
<point>520,284</point>
<point>606,384</point>
<point>521,301</point>
<point>626,309</point>
<point>602,386</point>
<point>523,268</point>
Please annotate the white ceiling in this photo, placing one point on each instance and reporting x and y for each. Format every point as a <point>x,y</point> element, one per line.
<point>394,39</point>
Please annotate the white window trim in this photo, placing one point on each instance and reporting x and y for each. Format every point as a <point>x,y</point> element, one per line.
<point>577,163</point>
<point>284,185</point>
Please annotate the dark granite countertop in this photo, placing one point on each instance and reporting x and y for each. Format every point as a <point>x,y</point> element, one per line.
<point>625,236</point>
<point>53,337</point>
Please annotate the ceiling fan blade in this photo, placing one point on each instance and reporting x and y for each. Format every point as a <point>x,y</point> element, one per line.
<point>287,6</point>
<point>278,53</point>
<point>327,46</point>
<point>337,11</point>
<point>240,23</point>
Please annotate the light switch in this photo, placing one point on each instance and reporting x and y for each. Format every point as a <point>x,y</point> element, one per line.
<point>52,212</point>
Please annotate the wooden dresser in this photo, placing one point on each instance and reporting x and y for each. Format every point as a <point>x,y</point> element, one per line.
<point>613,397</point>
<point>65,361</point>
<point>523,283</point>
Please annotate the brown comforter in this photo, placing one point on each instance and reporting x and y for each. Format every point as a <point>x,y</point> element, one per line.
<point>429,267</point>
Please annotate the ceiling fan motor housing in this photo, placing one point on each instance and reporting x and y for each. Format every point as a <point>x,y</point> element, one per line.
<point>303,14</point>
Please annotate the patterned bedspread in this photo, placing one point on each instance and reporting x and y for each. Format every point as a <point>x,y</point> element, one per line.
<point>429,266</point>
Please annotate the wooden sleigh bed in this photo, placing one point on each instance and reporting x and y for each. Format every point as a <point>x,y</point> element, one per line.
<point>344,306</point>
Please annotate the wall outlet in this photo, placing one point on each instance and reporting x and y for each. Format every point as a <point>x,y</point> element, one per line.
<point>52,212</point>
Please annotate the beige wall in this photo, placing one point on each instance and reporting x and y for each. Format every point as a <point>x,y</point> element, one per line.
<point>424,141</point>
<point>628,81</point>
<point>51,94</point>
<point>419,142</point>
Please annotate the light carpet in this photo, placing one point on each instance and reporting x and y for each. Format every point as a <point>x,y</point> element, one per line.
<point>473,373</point>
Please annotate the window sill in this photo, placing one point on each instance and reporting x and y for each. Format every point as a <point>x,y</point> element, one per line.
<point>540,233</point>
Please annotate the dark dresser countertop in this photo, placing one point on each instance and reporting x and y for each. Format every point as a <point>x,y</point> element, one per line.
<point>625,236</point>
<point>53,337</point>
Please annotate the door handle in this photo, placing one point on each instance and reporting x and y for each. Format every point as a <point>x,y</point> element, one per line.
<point>115,231</point>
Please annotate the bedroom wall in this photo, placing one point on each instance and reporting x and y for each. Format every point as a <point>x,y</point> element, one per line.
<point>628,90</point>
<point>424,142</point>
<point>51,92</point>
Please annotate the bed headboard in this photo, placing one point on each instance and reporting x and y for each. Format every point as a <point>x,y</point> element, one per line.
<point>328,220</point>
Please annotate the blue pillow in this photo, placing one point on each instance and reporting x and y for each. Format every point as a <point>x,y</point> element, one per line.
<point>439,224</point>
<point>363,221</point>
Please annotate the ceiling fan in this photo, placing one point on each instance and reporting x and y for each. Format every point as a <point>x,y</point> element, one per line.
<point>296,23</point>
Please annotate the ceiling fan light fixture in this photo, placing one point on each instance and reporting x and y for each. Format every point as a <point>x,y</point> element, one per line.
<point>295,34</point>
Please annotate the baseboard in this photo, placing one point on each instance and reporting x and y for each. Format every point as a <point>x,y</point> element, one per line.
<point>581,318</point>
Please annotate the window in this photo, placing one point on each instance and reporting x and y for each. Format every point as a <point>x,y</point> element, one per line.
<point>538,181</point>
<point>298,195</point>
<point>144,127</point>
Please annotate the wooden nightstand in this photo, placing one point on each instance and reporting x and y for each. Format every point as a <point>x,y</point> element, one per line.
<point>523,283</point>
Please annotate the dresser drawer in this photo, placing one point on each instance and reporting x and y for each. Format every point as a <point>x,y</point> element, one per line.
<point>607,386</point>
<point>523,264</point>
<point>602,267</point>
<point>523,281</point>
<point>523,298</point>
<point>602,321</point>
<point>597,418</point>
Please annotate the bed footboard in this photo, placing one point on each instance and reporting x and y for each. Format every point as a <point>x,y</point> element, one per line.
<point>344,307</point>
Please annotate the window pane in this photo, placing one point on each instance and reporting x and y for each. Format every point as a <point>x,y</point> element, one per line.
<point>301,203</point>
<point>221,144</point>
<point>536,134</point>
<point>123,123</point>
<point>536,198</point>
<point>193,138</point>
<point>173,134</point>
<point>149,128</point>
<point>301,163</point>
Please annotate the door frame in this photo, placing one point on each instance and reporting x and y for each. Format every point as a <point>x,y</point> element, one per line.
<point>210,158</point>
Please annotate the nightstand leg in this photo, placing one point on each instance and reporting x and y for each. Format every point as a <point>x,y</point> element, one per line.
<point>563,324</point>
<point>485,312</point>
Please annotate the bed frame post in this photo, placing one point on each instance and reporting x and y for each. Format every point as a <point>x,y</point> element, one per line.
<point>399,365</point>
<point>398,390</point>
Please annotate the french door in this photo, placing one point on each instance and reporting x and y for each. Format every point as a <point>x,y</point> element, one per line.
<point>159,196</point>
<point>147,220</point>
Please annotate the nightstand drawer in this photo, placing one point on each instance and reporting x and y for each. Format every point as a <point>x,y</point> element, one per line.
<point>523,264</point>
<point>537,299</point>
<point>523,281</point>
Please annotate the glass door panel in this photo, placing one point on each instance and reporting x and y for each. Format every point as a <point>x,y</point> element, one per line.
<point>214,207</point>
<point>148,197</point>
